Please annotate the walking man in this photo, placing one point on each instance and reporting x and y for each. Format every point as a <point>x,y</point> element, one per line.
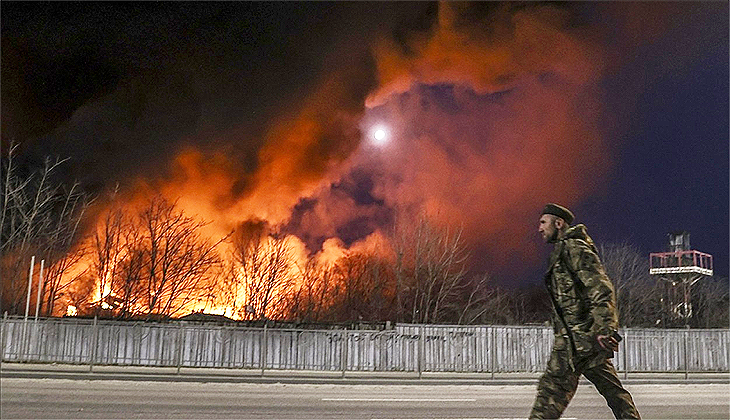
<point>584,319</point>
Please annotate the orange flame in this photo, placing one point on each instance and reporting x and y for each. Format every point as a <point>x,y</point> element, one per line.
<point>543,143</point>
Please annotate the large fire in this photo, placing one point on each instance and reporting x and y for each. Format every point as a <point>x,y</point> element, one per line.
<point>477,123</point>
<point>232,283</point>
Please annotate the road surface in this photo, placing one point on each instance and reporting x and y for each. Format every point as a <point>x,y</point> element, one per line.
<point>66,398</point>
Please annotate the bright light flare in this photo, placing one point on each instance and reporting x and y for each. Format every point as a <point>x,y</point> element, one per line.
<point>380,135</point>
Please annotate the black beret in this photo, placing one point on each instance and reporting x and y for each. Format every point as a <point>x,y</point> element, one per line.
<point>559,211</point>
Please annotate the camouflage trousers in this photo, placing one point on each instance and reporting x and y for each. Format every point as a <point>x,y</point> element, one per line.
<point>558,384</point>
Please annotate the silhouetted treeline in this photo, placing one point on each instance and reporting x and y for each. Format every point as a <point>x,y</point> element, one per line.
<point>153,262</point>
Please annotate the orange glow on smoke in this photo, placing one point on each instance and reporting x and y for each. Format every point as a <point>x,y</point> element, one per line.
<point>530,41</point>
<point>543,143</point>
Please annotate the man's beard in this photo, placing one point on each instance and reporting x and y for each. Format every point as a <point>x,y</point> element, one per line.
<point>553,237</point>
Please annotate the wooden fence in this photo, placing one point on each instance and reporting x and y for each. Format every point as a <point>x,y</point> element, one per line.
<point>415,348</point>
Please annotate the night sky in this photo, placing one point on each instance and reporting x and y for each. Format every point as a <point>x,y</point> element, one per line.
<point>267,111</point>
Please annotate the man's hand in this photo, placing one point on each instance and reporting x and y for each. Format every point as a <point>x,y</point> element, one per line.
<point>608,342</point>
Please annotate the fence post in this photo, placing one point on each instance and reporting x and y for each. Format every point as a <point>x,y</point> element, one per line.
<point>493,349</point>
<point>343,352</point>
<point>264,346</point>
<point>421,345</point>
<point>25,341</point>
<point>37,330</point>
<point>180,345</point>
<point>686,350</point>
<point>94,344</point>
<point>726,334</point>
<point>2,337</point>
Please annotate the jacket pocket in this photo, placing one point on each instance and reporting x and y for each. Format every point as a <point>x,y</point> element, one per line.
<point>585,341</point>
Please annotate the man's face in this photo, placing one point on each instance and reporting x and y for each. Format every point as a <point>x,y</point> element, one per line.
<point>548,228</point>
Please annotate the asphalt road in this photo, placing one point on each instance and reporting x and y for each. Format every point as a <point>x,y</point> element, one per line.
<point>66,398</point>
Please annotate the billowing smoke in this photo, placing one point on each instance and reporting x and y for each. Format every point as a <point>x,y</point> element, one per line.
<point>490,118</point>
<point>492,110</point>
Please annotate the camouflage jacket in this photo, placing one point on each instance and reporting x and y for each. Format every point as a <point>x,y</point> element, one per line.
<point>584,302</point>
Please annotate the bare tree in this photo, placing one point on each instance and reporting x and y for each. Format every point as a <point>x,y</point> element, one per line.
<point>59,277</point>
<point>80,295</point>
<point>116,260</point>
<point>177,258</point>
<point>711,303</point>
<point>430,269</point>
<point>365,286</point>
<point>40,217</point>
<point>128,286</point>
<point>476,302</point>
<point>108,249</point>
<point>65,247</point>
<point>263,272</point>
<point>153,263</point>
<point>628,270</point>
<point>314,298</point>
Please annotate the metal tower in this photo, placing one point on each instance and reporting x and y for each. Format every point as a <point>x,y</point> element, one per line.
<point>678,269</point>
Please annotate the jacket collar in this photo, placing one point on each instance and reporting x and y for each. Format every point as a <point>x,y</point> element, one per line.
<point>574,232</point>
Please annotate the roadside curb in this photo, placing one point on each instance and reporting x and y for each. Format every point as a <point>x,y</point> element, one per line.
<point>105,373</point>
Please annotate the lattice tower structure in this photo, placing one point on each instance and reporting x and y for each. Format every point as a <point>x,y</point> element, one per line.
<point>677,270</point>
